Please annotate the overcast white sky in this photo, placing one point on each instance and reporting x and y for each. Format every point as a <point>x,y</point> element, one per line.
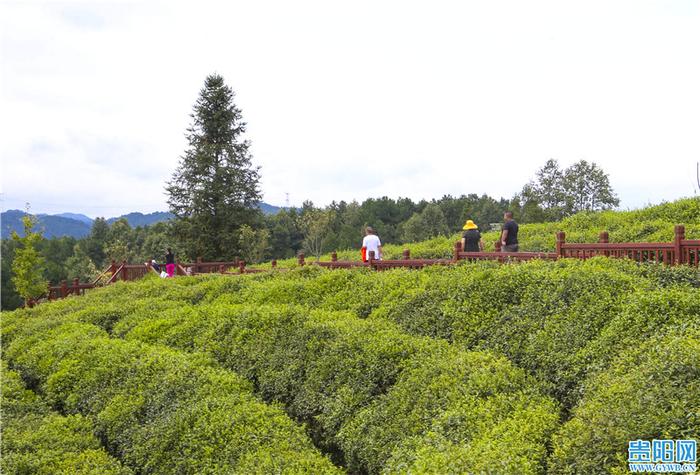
<point>349,100</point>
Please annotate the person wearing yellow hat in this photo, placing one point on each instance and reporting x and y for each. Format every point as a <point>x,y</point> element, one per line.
<point>471,239</point>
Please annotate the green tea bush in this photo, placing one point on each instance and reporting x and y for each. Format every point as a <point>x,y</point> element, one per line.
<point>453,412</point>
<point>541,315</point>
<point>322,366</point>
<point>648,314</point>
<point>38,440</point>
<point>327,367</point>
<point>157,409</point>
<point>652,391</point>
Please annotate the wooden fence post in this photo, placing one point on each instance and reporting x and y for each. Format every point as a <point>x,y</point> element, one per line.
<point>457,250</point>
<point>274,263</point>
<point>561,239</point>
<point>197,265</point>
<point>334,256</point>
<point>370,259</point>
<point>241,267</point>
<point>497,246</point>
<point>679,235</point>
<point>76,286</point>
<point>222,269</point>
<point>406,254</point>
<point>64,289</point>
<point>603,238</point>
<point>300,259</point>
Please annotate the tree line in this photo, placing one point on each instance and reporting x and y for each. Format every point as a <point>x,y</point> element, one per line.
<point>214,194</point>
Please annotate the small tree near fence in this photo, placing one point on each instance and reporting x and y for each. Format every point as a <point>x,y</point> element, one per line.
<point>315,225</point>
<point>254,244</point>
<point>28,265</point>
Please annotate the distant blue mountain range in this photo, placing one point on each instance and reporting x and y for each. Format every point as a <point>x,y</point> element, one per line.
<point>140,219</point>
<point>79,225</point>
<point>75,216</point>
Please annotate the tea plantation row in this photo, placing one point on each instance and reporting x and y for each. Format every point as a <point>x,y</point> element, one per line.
<point>156,410</point>
<point>532,368</point>
<point>39,440</point>
<point>385,399</point>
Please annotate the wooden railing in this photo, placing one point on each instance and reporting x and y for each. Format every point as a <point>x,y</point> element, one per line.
<point>200,267</point>
<point>129,272</point>
<point>63,290</point>
<point>680,251</point>
<point>378,264</point>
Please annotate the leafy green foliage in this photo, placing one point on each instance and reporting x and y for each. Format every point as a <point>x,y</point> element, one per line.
<point>8,293</point>
<point>80,266</point>
<point>424,225</point>
<point>253,244</point>
<point>453,403</point>
<point>651,392</point>
<point>315,226</point>
<point>28,264</point>
<point>558,193</point>
<point>526,368</point>
<point>38,440</point>
<point>158,409</point>
<point>325,367</point>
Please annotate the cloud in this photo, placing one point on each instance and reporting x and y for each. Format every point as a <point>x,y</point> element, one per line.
<point>348,101</point>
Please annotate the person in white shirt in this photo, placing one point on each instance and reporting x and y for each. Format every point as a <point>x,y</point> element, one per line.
<point>371,242</point>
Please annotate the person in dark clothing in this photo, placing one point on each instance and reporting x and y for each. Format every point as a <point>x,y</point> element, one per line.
<point>170,263</point>
<point>155,265</point>
<point>471,239</point>
<point>509,234</point>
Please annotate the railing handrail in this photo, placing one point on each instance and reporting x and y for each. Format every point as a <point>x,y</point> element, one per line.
<point>529,254</point>
<point>114,276</point>
<point>95,282</point>
<point>213,263</point>
<point>617,245</point>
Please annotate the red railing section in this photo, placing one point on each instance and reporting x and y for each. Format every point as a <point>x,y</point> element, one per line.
<point>680,251</point>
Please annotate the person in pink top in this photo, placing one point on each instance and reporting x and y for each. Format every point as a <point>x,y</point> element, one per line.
<point>170,263</point>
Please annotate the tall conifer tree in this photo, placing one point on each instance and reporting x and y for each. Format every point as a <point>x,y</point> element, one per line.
<point>214,190</point>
